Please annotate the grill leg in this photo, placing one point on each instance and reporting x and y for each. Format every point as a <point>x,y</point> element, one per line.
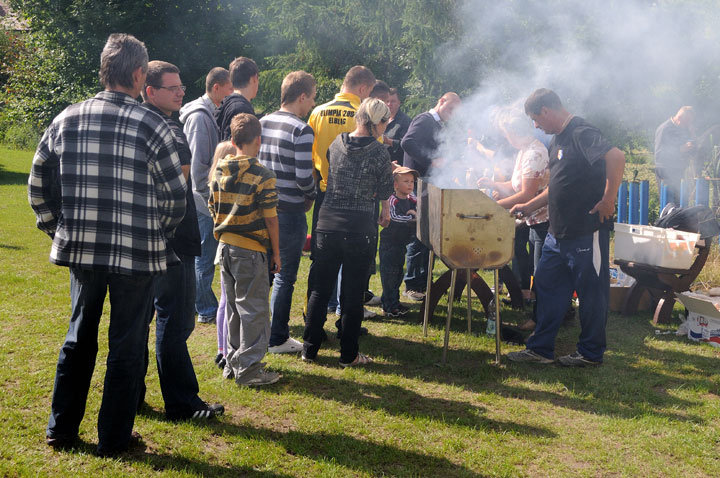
<point>426,315</point>
<point>451,299</point>
<point>468,275</point>
<point>498,324</point>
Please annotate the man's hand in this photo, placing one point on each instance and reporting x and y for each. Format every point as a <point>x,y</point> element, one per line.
<point>275,263</point>
<point>412,212</point>
<point>605,209</point>
<point>519,210</point>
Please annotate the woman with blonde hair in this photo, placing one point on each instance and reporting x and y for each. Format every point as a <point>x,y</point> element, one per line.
<point>360,175</point>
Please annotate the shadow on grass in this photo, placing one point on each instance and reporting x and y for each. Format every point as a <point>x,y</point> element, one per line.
<point>12,178</point>
<point>621,387</point>
<point>337,448</point>
<point>399,401</point>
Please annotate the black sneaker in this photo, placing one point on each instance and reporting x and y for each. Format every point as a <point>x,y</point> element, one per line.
<point>393,314</point>
<point>220,361</point>
<point>402,310</point>
<point>576,359</point>
<point>205,412</point>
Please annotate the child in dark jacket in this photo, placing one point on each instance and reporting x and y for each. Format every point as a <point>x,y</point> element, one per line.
<point>395,237</point>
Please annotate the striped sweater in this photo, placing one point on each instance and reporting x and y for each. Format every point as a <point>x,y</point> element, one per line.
<point>242,195</point>
<point>287,151</point>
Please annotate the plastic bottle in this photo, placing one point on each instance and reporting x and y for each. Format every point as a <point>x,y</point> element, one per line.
<point>490,329</point>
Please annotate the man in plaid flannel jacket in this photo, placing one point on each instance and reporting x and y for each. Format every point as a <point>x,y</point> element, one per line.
<point>106,185</point>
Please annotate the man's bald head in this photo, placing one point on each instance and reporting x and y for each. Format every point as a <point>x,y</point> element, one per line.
<point>446,105</point>
<point>684,117</point>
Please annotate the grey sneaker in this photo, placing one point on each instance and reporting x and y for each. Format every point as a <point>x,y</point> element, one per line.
<point>206,319</point>
<point>262,377</point>
<point>576,359</point>
<point>528,355</point>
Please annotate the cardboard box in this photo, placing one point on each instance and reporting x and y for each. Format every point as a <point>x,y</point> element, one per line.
<point>703,318</point>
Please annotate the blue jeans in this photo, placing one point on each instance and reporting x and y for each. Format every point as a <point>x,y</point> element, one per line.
<point>293,234</point>
<point>392,262</point>
<point>206,303</point>
<point>130,298</point>
<point>331,251</point>
<point>416,266</point>
<point>175,311</point>
<point>580,264</point>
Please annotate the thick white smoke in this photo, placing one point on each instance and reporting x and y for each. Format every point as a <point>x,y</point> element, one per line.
<point>624,64</point>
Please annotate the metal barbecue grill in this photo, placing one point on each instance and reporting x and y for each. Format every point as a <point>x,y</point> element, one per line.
<point>467,230</point>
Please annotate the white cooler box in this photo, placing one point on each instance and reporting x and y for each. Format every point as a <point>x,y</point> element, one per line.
<point>655,246</point>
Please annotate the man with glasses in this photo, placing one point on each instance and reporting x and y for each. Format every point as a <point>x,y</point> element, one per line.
<point>107,187</point>
<point>174,291</point>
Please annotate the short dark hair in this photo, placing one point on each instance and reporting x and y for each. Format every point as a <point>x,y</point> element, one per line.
<point>156,69</point>
<point>244,128</point>
<point>295,84</point>
<point>381,88</point>
<point>241,70</point>
<point>540,98</point>
<point>121,55</point>
<point>359,75</point>
<point>216,76</point>
<point>394,92</point>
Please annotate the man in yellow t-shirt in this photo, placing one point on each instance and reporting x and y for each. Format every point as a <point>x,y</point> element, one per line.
<point>328,121</point>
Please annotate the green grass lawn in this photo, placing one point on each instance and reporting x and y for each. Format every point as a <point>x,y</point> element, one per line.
<point>651,410</point>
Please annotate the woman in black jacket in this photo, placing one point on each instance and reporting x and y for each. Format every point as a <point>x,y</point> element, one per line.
<point>360,175</point>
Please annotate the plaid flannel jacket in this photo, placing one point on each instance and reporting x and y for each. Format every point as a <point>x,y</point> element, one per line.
<point>107,187</point>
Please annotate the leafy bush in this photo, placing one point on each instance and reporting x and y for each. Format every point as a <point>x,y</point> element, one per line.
<point>21,136</point>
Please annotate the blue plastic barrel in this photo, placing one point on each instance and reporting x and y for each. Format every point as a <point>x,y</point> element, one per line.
<point>644,201</point>
<point>622,202</point>
<point>702,192</point>
<point>634,200</point>
<point>684,193</point>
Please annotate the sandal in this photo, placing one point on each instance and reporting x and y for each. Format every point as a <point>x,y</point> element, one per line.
<point>361,359</point>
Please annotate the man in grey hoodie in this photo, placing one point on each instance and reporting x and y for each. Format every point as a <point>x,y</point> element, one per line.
<point>203,136</point>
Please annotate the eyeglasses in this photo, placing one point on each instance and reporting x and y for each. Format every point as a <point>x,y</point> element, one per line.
<point>171,89</point>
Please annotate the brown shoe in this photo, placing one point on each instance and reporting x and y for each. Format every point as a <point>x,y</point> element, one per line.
<point>527,325</point>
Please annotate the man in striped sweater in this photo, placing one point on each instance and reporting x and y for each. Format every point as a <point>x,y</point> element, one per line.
<point>286,150</point>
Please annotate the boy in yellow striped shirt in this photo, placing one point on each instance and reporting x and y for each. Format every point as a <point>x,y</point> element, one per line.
<point>243,203</point>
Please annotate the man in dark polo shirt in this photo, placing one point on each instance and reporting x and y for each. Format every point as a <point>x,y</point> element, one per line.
<point>420,144</point>
<point>585,172</point>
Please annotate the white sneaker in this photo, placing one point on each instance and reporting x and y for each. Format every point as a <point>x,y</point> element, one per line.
<point>290,346</point>
<point>375,301</point>
<point>368,314</point>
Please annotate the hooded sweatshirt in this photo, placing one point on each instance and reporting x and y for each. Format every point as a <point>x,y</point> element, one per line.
<point>203,136</point>
<point>230,106</point>
<point>359,176</point>
<point>242,195</point>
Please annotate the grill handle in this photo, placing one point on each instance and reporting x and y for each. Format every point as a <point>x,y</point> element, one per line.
<point>474,216</point>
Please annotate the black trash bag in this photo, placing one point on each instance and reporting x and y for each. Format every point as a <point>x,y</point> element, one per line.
<point>698,219</point>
